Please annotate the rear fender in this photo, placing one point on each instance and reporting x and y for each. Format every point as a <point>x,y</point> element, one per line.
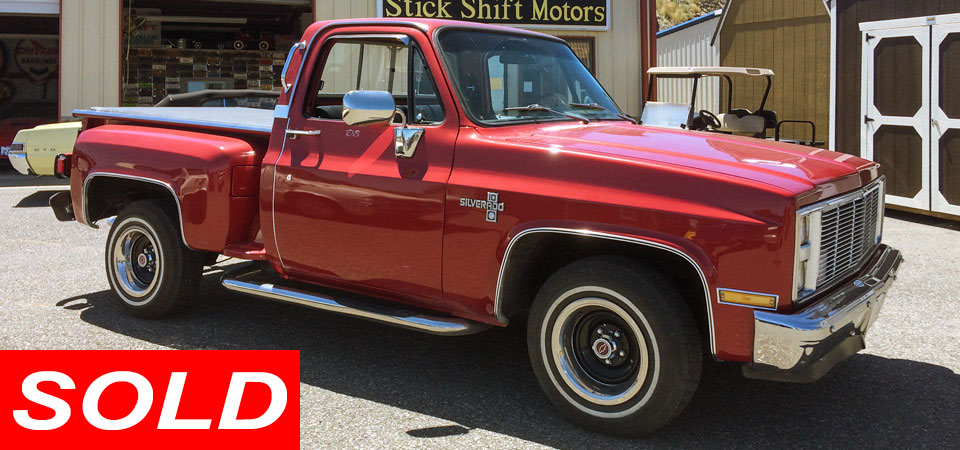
<point>205,175</point>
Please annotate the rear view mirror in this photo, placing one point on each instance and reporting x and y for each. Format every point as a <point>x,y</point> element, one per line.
<point>517,58</point>
<point>368,108</point>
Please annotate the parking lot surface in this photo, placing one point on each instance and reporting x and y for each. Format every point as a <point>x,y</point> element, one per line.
<point>367,385</point>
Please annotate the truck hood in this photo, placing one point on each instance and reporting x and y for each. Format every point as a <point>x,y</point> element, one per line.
<point>794,168</point>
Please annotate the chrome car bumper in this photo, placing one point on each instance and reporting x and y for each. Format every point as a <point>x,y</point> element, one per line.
<point>18,159</point>
<point>803,346</point>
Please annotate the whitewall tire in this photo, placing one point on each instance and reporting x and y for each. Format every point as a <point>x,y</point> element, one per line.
<point>151,271</point>
<point>614,346</point>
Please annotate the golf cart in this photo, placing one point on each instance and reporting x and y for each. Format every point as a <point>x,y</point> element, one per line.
<point>734,121</point>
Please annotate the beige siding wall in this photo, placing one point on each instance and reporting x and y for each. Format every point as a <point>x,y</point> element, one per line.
<point>90,50</point>
<point>690,47</point>
<point>617,50</point>
<point>792,37</point>
<point>89,54</point>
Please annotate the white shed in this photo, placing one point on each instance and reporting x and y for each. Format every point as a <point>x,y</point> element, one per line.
<point>688,44</point>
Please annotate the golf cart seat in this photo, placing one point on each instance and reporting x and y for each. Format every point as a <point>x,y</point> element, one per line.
<point>770,119</point>
<point>663,114</point>
<point>752,124</point>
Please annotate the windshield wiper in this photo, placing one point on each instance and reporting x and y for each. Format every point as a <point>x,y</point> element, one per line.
<point>597,107</point>
<point>533,107</point>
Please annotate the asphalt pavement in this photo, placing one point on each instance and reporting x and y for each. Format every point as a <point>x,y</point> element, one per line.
<point>367,385</point>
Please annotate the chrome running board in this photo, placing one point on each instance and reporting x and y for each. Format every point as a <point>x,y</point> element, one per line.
<point>250,280</point>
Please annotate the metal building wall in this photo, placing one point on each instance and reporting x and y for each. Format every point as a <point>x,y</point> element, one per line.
<point>690,46</point>
<point>89,54</point>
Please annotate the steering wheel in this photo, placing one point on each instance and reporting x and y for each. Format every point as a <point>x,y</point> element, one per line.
<point>711,120</point>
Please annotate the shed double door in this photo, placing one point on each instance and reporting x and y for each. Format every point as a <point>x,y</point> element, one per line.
<point>911,109</point>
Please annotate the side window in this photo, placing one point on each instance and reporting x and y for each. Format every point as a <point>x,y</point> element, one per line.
<point>505,84</point>
<point>427,105</point>
<point>377,66</point>
<point>354,66</point>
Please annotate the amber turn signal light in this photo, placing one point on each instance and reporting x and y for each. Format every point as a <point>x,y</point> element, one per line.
<point>748,298</point>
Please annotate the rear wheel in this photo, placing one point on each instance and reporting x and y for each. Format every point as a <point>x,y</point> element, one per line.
<point>149,268</point>
<point>614,346</point>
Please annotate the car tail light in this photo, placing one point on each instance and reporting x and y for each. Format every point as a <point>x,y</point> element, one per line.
<point>61,166</point>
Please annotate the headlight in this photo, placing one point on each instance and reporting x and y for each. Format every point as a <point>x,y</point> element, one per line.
<point>881,204</point>
<point>808,252</point>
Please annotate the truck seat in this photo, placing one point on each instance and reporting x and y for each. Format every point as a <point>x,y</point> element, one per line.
<point>330,111</point>
<point>431,113</point>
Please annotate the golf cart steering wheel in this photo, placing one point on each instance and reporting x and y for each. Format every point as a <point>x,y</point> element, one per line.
<point>711,120</point>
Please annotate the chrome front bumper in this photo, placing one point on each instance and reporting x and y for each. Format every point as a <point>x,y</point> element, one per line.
<point>18,159</point>
<point>804,346</point>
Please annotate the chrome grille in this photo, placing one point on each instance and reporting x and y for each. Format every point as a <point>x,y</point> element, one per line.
<point>848,234</point>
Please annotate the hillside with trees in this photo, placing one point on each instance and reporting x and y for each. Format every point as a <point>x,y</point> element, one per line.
<point>672,12</point>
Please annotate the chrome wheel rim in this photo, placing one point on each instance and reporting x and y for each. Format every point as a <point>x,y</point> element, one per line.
<point>605,381</point>
<point>566,372</point>
<point>137,263</point>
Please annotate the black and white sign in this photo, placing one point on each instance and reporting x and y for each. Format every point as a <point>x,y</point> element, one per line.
<point>550,14</point>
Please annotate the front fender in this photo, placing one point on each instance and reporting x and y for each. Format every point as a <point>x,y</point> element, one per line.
<point>698,260</point>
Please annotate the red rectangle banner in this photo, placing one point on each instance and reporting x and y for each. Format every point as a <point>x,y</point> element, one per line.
<point>150,399</point>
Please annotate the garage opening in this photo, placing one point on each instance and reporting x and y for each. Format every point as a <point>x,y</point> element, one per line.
<point>29,65</point>
<point>177,46</point>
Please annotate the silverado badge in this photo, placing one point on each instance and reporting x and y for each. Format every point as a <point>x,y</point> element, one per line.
<point>492,205</point>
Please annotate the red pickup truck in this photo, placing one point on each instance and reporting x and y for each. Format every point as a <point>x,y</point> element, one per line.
<point>447,177</point>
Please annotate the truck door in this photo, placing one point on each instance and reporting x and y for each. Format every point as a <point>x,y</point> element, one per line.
<point>348,211</point>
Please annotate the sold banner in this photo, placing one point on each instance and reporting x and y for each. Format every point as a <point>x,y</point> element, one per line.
<point>150,399</point>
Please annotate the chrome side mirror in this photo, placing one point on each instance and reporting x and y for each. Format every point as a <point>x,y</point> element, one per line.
<point>368,108</point>
<point>378,108</point>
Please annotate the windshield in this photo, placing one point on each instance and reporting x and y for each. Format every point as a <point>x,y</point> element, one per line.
<point>496,75</point>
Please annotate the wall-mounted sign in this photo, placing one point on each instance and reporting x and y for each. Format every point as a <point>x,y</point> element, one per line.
<point>550,14</point>
<point>138,30</point>
<point>38,58</point>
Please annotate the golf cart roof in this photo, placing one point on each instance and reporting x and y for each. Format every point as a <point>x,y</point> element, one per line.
<point>691,72</point>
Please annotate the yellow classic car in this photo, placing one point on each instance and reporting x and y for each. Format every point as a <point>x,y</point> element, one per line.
<point>34,150</point>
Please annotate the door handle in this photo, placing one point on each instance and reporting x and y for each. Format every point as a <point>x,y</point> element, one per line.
<point>292,134</point>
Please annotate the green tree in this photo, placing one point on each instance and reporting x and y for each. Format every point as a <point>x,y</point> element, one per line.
<point>711,5</point>
<point>672,12</point>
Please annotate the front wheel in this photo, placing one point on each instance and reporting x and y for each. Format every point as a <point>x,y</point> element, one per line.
<point>614,346</point>
<point>149,268</point>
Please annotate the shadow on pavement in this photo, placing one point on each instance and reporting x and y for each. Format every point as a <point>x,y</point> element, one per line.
<point>11,178</point>
<point>949,224</point>
<point>40,199</point>
<point>485,381</point>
